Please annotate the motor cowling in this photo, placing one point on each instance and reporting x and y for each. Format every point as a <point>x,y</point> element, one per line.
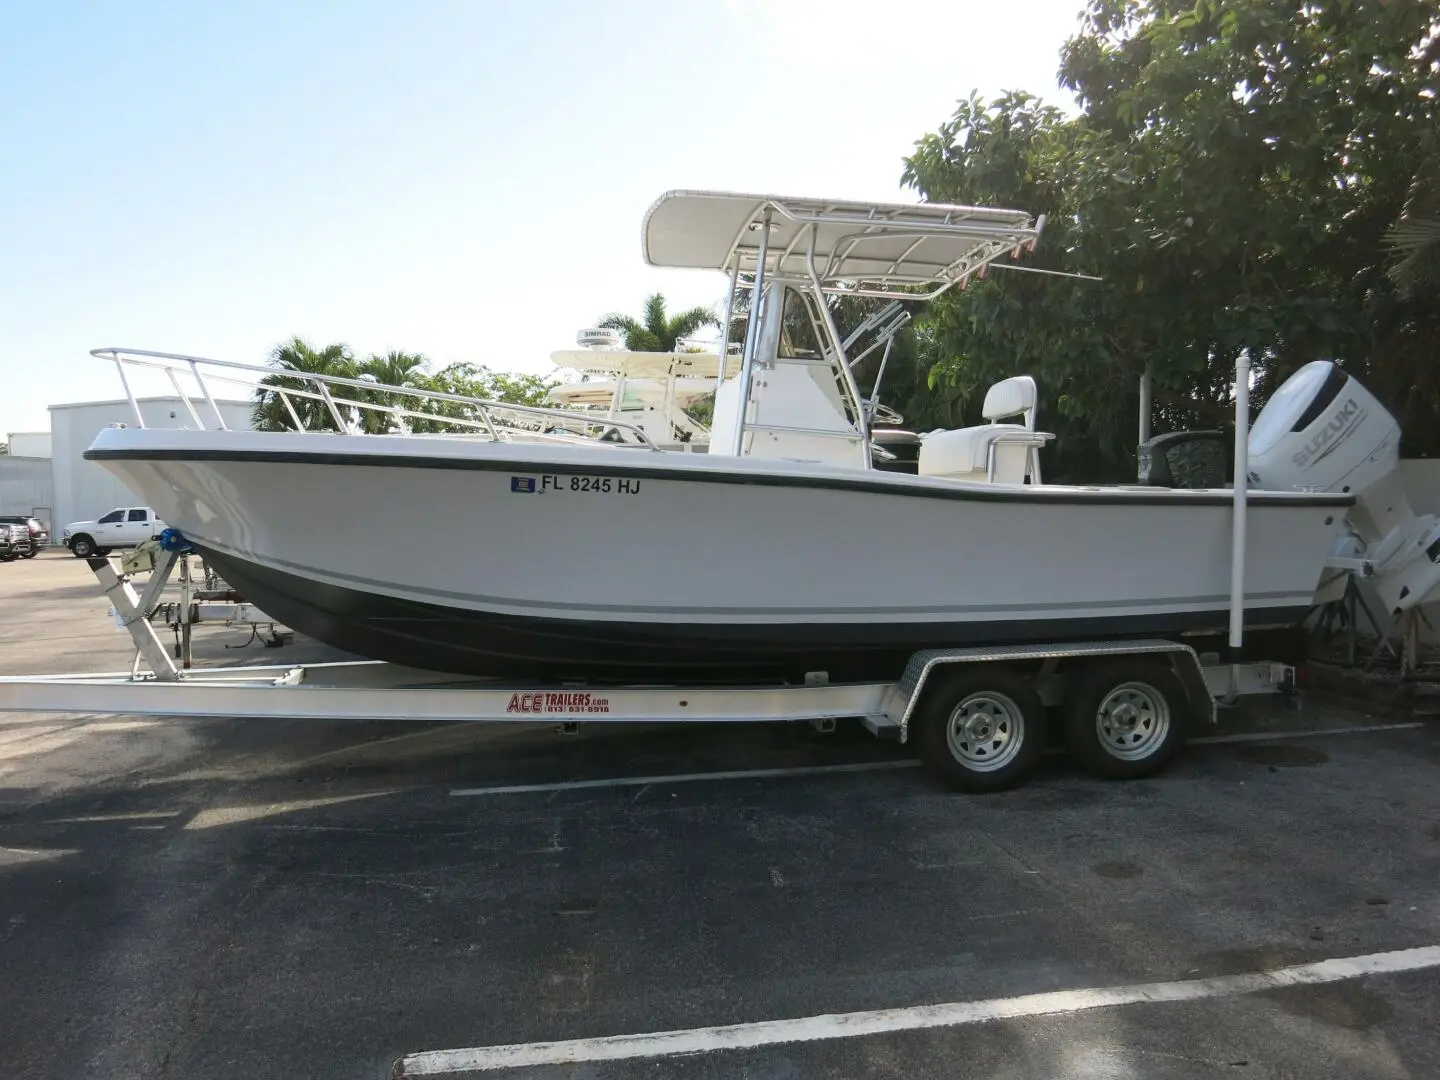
<point>1323,431</point>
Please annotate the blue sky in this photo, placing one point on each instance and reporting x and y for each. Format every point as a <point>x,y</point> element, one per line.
<point>462,179</point>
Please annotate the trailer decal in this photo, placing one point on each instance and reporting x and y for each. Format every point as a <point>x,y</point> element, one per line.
<point>563,702</point>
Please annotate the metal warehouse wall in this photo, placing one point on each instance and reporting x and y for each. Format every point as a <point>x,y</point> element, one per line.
<point>25,486</point>
<point>82,489</point>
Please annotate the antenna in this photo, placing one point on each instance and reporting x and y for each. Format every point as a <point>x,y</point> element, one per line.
<point>598,338</point>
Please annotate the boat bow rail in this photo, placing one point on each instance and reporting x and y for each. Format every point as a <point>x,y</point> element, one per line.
<point>353,406</point>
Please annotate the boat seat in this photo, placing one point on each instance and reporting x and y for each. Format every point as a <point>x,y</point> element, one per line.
<point>995,453</point>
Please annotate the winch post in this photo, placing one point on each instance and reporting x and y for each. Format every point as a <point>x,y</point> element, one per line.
<point>132,617</point>
<point>187,612</point>
<point>160,570</point>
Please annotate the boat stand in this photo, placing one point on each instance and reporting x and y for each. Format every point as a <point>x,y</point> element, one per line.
<point>199,602</point>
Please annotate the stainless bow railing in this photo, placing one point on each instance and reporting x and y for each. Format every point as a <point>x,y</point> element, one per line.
<point>403,407</point>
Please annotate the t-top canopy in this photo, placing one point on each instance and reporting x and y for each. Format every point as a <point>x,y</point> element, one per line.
<point>879,246</point>
<point>643,365</point>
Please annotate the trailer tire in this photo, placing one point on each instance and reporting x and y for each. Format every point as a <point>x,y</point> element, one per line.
<point>980,729</point>
<point>1125,719</point>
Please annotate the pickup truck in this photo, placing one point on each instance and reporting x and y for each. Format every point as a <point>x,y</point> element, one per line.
<point>14,542</point>
<point>39,534</point>
<point>124,527</point>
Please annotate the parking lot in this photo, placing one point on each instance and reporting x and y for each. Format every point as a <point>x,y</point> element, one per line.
<point>239,898</point>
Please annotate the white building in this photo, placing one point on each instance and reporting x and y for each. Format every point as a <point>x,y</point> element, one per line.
<point>83,490</point>
<point>25,486</point>
<point>34,444</point>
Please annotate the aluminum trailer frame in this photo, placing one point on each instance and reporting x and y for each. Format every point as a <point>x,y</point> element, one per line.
<point>368,689</point>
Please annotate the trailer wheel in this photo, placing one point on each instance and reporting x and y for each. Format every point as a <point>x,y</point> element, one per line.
<point>1125,720</point>
<point>980,728</point>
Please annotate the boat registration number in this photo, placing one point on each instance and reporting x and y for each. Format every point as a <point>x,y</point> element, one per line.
<point>600,485</point>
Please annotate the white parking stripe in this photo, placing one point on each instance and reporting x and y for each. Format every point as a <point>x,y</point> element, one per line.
<point>881,1021</point>
<point>686,778</point>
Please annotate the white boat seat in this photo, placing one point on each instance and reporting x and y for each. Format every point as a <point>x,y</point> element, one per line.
<point>995,453</point>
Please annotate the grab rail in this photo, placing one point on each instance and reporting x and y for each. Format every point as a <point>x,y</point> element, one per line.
<point>499,419</point>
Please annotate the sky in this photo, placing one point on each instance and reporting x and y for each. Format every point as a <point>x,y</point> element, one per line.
<point>460,178</point>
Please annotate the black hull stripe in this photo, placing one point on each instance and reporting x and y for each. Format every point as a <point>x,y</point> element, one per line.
<point>471,642</point>
<point>1156,497</point>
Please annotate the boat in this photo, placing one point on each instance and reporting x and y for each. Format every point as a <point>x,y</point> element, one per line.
<point>653,391</point>
<point>784,551</point>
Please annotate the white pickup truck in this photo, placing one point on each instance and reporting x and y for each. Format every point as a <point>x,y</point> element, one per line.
<point>125,527</point>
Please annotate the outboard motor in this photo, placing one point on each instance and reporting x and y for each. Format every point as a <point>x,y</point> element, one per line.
<point>1323,431</point>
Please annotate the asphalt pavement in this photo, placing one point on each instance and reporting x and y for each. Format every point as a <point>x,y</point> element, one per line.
<point>241,898</point>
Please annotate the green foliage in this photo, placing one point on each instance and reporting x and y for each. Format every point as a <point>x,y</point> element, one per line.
<point>297,355</point>
<point>399,369</point>
<point>1232,178</point>
<point>472,380</point>
<point>1415,239</point>
<point>702,411</point>
<point>657,330</point>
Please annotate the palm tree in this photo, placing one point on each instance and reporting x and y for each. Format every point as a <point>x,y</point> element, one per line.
<point>297,355</point>
<point>657,331</point>
<point>1415,239</point>
<point>395,368</point>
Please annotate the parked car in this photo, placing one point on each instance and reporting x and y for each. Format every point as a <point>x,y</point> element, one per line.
<point>14,543</point>
<point>39,535</point>
<point>125,527</point>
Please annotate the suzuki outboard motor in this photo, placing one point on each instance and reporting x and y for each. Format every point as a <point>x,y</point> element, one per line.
<point>1323,431</point>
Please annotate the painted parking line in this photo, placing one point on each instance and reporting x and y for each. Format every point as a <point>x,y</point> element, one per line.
<point>662,1044</point>
<point>869,766</point>
<point>689,778</point>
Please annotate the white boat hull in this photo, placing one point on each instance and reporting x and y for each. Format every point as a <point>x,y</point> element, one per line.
<point>628,564</point>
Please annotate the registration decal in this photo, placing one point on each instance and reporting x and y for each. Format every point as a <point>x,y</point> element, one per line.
<point>596,485</point>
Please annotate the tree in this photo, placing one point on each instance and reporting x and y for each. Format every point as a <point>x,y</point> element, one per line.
<point>297,355</point>
<point>1231,177</point>
<point>477,381</point>
<point>1415,239</point>
<point>395,368</point>
<point>657,331</point>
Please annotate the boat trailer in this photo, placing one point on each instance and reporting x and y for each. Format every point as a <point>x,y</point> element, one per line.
<point>978,714</point>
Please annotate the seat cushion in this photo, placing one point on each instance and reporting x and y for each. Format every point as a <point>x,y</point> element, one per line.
<point>962,451</point>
